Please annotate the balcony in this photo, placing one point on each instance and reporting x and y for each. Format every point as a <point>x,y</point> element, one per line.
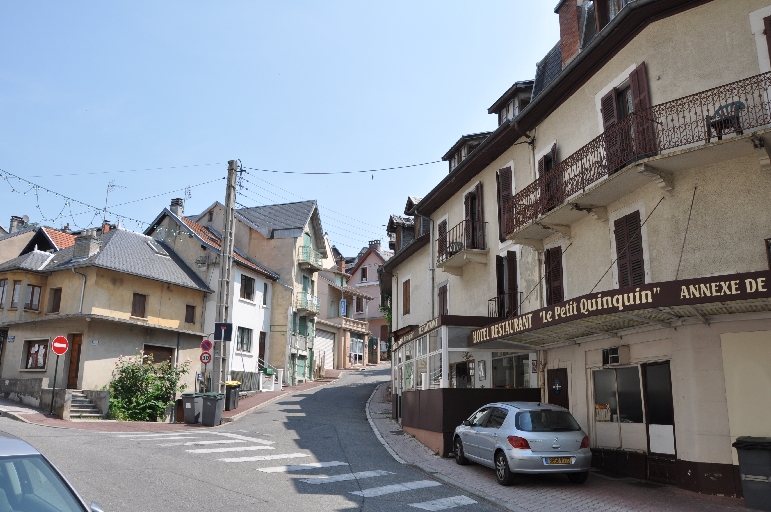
<point>300,342</point>
<point>502,306</point>
<point>652,144</point>
<point>463,244</point>
<point>350,324</point>
<point>307,303</point>
<point>308,258</point>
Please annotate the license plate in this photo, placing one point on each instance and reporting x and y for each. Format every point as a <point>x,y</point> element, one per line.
<point>558,460</point>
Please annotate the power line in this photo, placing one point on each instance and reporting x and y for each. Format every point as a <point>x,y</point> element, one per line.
<point>117,172</point>
<point>344,172</point>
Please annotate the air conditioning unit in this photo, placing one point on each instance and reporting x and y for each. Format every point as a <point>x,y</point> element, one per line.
<point>615,355</point>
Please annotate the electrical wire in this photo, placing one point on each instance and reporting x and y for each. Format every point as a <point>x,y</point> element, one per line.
<point>344,172</point>
<point>117,172</point>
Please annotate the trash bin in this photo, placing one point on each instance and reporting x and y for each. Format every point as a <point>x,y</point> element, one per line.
<point>232,388</point>
<point>213,404</point>
<point>192,403</point>
<point>755,470</point>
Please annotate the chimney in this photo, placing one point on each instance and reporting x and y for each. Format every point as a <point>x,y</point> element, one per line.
<point>105,226</point>
<point>374,244</point>
<point>341,264</point>
<point>570,33</point>
<point>16,224</point>
<point>86,245</point>
<point>177,206</point>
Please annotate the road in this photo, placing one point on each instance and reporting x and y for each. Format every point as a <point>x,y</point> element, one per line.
<point>309,451</point>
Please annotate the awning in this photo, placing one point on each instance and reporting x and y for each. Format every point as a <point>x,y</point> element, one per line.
<point>664,304</point>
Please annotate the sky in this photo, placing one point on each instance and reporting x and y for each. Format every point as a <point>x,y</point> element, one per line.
<point>158,96</point>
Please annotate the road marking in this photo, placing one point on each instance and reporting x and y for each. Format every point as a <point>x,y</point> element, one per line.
<point>156,439</point>
<point>267,457</point>
<point>389,489</point>
<point>345,476</point>
<point>302,467</point>
<point>444,503</point>
<point>233,449</point>
<point>149,436</point>
<point>244,438</point>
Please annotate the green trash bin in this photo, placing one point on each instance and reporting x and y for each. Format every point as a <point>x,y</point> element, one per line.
<point>192,403</point>
<point>213,405</point>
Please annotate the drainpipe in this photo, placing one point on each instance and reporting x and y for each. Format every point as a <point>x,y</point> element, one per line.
<point>82,289</point>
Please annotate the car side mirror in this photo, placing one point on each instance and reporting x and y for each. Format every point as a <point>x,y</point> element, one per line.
<point>466,423</point>
<point>95,507</point>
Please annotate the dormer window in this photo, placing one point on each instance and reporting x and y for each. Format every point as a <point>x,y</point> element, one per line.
<point>211,216</point>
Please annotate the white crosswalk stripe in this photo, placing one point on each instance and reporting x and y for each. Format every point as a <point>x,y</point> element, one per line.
<point>190,443</point>
<point>147,436</point>
<point>444,503</point>
<point>232,449</point>
<point>345,476</point>
<point>267,457</point>
<point>389,489</point>
<point>302,467</point>
<point>243,438</point>
<point>156,439</point>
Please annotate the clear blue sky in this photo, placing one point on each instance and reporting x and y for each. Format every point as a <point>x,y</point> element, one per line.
<point>95,87</point>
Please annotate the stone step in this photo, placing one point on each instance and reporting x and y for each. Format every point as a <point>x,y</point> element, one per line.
<point>84,408</point>
<point>85,415</point>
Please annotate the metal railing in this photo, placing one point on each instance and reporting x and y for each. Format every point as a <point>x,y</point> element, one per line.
<point>502,306</point>
<point>307,302</point>
<point>730,108</point>
<point>310,256</point>
<point>465,235</point>
<point>301,342</point>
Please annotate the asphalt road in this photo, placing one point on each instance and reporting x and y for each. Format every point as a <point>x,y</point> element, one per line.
<point>334,461</point>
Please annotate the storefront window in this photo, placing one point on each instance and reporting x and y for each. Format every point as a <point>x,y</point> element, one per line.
<point>421,371</point>
<point>511,371</point>
<point>617,395</point>
<point>408,351</point>
<point>435,341</point>
<point>422,346</point>
<point>408,380</point>
<point>435,371</point>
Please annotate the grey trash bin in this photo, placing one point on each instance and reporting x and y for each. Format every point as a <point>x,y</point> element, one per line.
<point>755,470</point>
<point>231,397</point>
<point>213,405</point>
<point>192,402</point>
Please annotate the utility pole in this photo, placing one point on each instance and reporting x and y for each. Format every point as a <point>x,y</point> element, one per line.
<point>224,290</point>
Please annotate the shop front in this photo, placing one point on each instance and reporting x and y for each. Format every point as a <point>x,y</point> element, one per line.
<point>663,377</point>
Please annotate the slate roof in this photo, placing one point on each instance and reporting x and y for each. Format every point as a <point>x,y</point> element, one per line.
<point>547,70</point>
<point>122,251</point>
<point>398,220</point>
<point>25,229</point>
<point>280,216</point>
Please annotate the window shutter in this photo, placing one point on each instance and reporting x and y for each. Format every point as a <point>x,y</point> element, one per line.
<point>600,14</point>
<point>554,289</point>
<point>645,136</point>
<point>426,226</point>
<point>554,156</point>
<point>57,300</point>
<point>612,137</point>
<point>622,259</point>
<point>629,250</point>
<point>638,81</point>
<point>512,291</point>
<point>767,26</point>
<point>504,200</point>
<point>480,227</point>
<point>443,306</point>
<point>138,306</point>
<point>442,242</point>
<point>406,297</point>
<point>609,110</point>
<point>467,227</point>
<point>541,166</point>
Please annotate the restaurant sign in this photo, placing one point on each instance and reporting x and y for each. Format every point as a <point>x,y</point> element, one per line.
<point>432,324</point>
<point>704,290</point>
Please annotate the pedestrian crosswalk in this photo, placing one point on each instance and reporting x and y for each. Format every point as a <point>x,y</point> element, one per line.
<point>240,449</point>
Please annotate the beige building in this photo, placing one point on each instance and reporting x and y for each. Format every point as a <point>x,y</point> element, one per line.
<point>614,228</point>
<point>110,295</point>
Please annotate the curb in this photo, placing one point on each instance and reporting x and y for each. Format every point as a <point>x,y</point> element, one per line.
<point>13,416</point>
<point>377,432</point>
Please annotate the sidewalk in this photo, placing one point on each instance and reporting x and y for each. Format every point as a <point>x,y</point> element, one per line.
<point>540,492</point>
<point>29,414</point>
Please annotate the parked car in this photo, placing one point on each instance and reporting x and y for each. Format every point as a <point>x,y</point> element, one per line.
<point>29,482</point>
<point>524,437</point>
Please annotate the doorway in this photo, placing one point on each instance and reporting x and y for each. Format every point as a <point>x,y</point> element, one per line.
<point>557,386</point>
<point>660,422</point>
<point>72,376</point>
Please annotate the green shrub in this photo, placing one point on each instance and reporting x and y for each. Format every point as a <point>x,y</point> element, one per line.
<point>141,390</point>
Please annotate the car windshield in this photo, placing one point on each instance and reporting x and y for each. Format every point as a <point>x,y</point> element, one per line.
<point>29,483</point>
<point>546,421</point>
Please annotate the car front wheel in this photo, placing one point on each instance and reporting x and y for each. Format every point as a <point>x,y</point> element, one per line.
<point>502,472</point>
<point>578,478</point>
<point>460,455</point>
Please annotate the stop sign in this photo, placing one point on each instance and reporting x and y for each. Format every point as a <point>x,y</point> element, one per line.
<point>60,345</point>
<point>206,357</point>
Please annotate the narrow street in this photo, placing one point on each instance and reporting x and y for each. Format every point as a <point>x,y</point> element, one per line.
<point>314,450</point>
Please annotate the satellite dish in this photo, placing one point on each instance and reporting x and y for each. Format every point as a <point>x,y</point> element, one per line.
<point>25,218</point>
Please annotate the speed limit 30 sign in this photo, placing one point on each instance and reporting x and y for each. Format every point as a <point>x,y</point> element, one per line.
<point>206,357</point>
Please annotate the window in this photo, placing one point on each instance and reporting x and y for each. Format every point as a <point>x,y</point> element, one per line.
<point>30,480</point>
<point>15,295</point>
<point>359,305</point>
<point>3,286</point>
<point>265,294</point>
<point>406,297</point>
<point>504,200</point>
<point>551,182</point>
<point>511,371</point>
<point>441,241</point>
<point>629,250</point>
<point>497,417</point>
<point>189,314</point>
<point>475,227</point>
<point>36,354</point>
<point>443,303</point>
<point>363,274</point>
<point>261,348</point>
<point>159,354</point>
<point>247,287</point>
<point>507,300</point>
<point>617,395</point>
<point>211,216</point>
<point>32,301</point>
<point>546,420</point>
<point>244,342</point>
<point>56,300</point>
<point>138,305</point>
<point>554,289</point>
<point>606,10</point>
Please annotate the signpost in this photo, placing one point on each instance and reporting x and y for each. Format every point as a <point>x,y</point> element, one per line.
<point>205,359</point>
<point>206,345</point>
<point>59,345</point>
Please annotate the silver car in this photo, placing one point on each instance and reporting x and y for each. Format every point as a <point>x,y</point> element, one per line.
<point>524,437</point>
<point>28,481</point>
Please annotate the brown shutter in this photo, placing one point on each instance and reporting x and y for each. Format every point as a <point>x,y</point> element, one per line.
<point>480,219</point>
<point>443,306</point>
<point>767,31</point>
<point>504,200</point>
<point>57,300</point>
<point>138,306</point>
<point>541,166</point>
<point>551,186</point>
<point>645,138</point>
<point>383,332</point>
<point>612,136</point>
<point>189,314</point>
<point>406,297</point>
<point>512,291</point>
<point>467,217</point>
<point>554,156</point>
<point>554,289</point>
<point>622,258</point>
<point>601,14</point>
<point>442,242</point>
<point>629,250</point>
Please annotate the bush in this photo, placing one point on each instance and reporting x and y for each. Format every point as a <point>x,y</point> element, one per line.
<point>141,390</point>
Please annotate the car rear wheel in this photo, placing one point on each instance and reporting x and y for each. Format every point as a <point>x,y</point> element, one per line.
<point>460,455</point>
<point>578,478</point>
<point>502,472</point>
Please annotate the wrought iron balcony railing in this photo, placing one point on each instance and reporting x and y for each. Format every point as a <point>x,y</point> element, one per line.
<point>308,256</point>
<point>730,108</point>
<point>307,302</point>
<point>466,235</point>
<point>503,306</point>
